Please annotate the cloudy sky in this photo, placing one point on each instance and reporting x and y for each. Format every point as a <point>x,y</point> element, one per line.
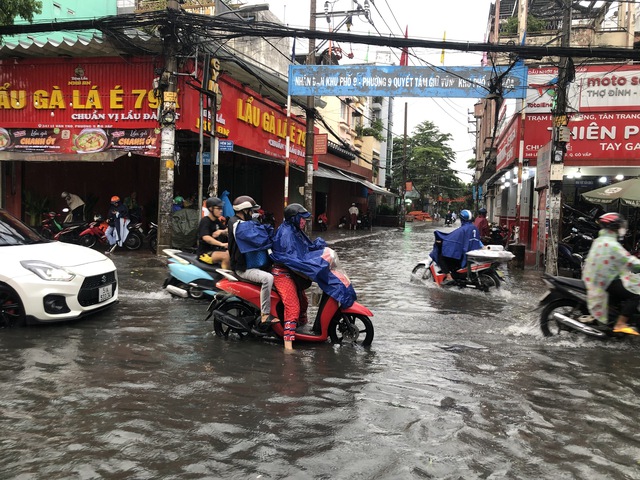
<point>462,20</point>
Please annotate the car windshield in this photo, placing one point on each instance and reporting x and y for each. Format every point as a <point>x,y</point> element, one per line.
<point>14,232</point>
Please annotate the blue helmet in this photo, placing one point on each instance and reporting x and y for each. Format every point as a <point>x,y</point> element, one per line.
<point>465,216</point>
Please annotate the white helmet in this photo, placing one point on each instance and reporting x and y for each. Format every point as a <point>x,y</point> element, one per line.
<point>245,202</point>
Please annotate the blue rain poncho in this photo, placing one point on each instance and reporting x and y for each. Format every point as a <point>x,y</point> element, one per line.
<point>295,250</point>
<point>457,243</point>
<point>227,207</point>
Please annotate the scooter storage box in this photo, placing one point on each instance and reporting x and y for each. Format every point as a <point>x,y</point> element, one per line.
<point>490,255</point>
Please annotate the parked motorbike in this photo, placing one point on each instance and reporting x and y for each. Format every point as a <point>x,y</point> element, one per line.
<point>481,272</point>
<point>152,237</point>
<point>498,235</point>
<point>189,277</point>
<point>564,308</point>
<point>236,310</point>
<point>95,233</point>
<point>67,231</point>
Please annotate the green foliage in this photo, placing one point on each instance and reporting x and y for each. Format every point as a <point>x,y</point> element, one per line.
<point>428,164</point>
<point>384,209</point>
<point>375,130</point>
<point>534,25</point>
<point>34,207</point>
<point>26,9</point>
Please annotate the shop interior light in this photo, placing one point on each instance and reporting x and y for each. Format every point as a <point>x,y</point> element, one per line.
<point>578,174</point>
<point>506,184</point>
<point>602,179</point>
<point>570,176</point>
<point>619,177</point>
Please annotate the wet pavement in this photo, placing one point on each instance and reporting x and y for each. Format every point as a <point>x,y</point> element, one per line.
<point>457,384</point>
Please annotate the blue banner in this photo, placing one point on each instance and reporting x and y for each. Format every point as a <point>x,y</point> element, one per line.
<point>391,81</point>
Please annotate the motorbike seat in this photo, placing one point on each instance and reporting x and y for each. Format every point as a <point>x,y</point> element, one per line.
<point>575,283</point>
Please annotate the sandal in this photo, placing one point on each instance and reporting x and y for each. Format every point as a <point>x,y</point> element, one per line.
<point>269,320</point>
<point>627,330</point>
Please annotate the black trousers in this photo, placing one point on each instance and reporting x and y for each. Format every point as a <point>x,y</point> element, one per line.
<point>620,296</point>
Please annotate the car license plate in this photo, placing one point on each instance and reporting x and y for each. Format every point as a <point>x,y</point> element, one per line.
<point>104,293</point>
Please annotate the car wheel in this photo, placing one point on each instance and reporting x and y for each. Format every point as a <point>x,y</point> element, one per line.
<point>11,309</point>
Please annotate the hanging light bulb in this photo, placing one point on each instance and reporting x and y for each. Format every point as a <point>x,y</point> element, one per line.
<point>619,177</point>
<point>578,174</point>
<point>602,179</point>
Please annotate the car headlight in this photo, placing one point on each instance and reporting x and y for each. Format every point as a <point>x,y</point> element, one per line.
<point>48,271</point>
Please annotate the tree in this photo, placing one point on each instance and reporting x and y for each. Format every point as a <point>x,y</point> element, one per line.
<point>429,159</point>
<point>19,8</point>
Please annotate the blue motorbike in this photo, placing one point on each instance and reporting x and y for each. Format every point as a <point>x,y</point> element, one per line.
<point>190,277</point>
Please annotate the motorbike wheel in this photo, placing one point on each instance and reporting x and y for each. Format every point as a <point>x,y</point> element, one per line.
<point>351,328</point>
<point>11,309</point>
<point>568,307</point>
<point>486,280</point>
<point>153,244</point>
<point>133,241</point>
<point>237,309</point>
<point>422,272</point>
<point>88,241</point>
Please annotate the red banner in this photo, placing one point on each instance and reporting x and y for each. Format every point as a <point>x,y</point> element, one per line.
<point>78,105</point>
<point>250,121</point>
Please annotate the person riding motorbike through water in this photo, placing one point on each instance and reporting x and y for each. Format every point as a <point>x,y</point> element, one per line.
<point>118,218</point>
<point>290,242</point>
<point>482,223</point>
<point>243,207</point>
<point>212,235</point>
<point>607,272</point>
<point>450,251</point>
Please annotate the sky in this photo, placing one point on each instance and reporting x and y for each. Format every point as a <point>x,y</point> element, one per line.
<point>460,21</point>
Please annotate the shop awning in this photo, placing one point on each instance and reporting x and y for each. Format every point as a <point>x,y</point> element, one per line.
<point>107,156</point>
<point>371,186</point>
<point>324,172</point>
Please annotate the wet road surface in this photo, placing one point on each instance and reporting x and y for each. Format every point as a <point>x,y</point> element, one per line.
<point>457,384</point>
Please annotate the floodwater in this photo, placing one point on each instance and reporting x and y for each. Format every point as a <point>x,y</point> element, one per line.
<point>456,385</point>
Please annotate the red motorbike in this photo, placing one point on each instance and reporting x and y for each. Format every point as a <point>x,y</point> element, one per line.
<point>236,310</point>
<point>66,231</point>
<point>95,233</point>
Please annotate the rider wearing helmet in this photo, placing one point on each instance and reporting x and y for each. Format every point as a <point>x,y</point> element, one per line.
<point>291,244</point>
<point>178,204</point>
<point>118,218</point>
<point>212,235</point>
<point>244,206</point>
<point>481,223</point>
<point>450,249</point>
<point>607,273</point>
<point>75,205</point>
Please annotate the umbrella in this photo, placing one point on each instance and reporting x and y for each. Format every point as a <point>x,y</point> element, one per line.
<point>626,192</point>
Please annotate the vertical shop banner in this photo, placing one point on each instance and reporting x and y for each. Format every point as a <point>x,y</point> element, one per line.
<point>77,106</point>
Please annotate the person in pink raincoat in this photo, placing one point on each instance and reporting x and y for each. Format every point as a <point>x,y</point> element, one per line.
<point>608,273</point>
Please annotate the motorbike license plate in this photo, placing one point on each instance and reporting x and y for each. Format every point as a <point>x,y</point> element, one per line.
<point>104,293</point>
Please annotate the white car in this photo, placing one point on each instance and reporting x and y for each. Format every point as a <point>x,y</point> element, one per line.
<point>48,281</point>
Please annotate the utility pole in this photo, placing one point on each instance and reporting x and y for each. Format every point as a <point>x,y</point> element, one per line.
<point>167,117</point>
<point>308,159</point>
<point>560,139</point>
<point>403,207</point>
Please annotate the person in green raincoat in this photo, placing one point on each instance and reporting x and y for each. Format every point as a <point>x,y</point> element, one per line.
<point>609,272</point>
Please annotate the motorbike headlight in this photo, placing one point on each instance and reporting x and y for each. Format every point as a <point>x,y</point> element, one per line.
<point>48,271</point>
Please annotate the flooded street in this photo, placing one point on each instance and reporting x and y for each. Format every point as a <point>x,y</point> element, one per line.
<point>457,384</point>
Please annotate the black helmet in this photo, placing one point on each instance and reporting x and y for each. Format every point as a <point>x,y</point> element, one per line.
<point>294,209</point>
<point>612,221</point>
<point>213,202</point>
<point>482,211</point>
<point>245,202</point>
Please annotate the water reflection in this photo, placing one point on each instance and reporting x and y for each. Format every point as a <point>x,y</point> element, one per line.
<point>457,384</point>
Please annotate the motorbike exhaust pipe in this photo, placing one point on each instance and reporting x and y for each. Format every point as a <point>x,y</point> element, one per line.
<point>177,291</point>
<point>577,325</point>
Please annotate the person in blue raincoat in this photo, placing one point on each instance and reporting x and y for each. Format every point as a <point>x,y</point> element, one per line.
<point>297,258</point>
<point>450,249</point>
<point>227,208</point>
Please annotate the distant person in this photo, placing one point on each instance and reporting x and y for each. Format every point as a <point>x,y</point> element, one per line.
<point>131,202</point>
<point>481,223</point>
<point>178,204</point>
<point>323,221</point>
<point>118,218</point>
<point>353,216</point>
<point>75,205</point>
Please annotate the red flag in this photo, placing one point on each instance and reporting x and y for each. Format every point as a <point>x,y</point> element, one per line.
<point>404,58</point>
